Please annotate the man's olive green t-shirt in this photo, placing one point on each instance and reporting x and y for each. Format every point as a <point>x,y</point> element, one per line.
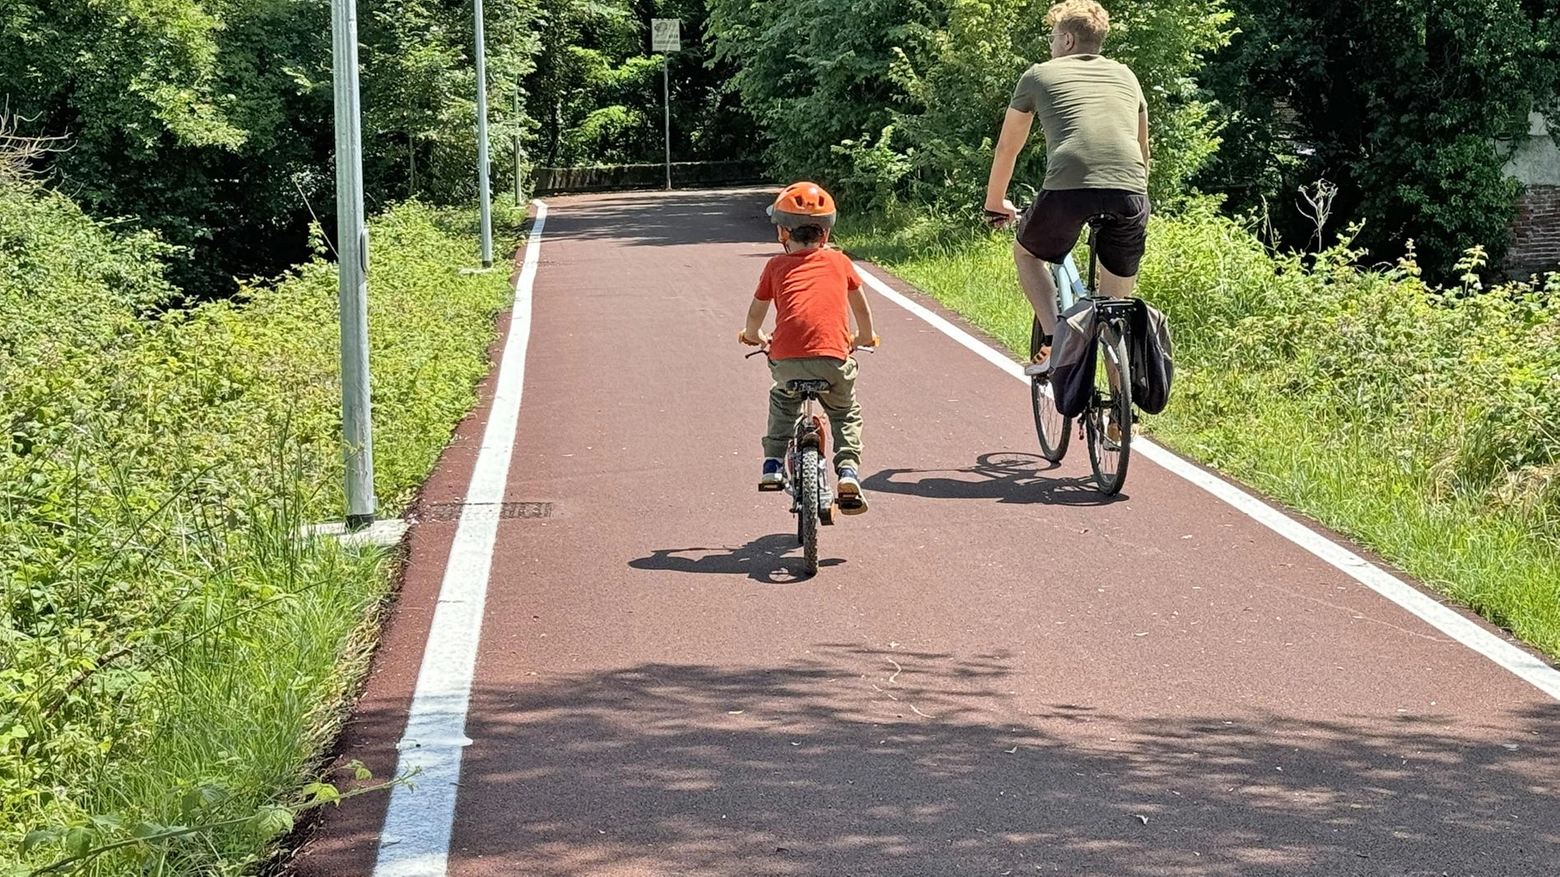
<point>1088,107</point>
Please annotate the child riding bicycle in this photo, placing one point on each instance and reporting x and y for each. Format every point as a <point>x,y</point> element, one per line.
<point>815,289</point>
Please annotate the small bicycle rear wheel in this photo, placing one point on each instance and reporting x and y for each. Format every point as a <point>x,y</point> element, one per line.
<point>807,509</point>
<point>1108,421</point>
<point>1052,427</point>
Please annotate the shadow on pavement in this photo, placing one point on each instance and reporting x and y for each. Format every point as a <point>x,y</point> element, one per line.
<point>866,762</point>
<point>1003,476</point>
<point>679,218</point>
<point>762,560</point>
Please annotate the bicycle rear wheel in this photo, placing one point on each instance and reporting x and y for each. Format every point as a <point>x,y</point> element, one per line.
<point>1052,427</point>
<point>1108,421</point>
<point>807,509</point>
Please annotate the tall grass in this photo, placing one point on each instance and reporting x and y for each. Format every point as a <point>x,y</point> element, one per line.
<point>1419,421</point>
<point>172,651</point>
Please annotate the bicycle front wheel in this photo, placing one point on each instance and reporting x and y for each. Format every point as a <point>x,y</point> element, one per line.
<point>1108,421</point>
<point>1052,427</point>
<point>807,509</point>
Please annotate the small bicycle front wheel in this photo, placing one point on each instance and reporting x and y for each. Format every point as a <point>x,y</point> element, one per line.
<point>1051,426</point>
<point>1108,421</point>
<point>807,509</point>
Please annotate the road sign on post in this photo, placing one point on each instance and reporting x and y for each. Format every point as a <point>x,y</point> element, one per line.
<point>666,35</point>
<point>666,38</point>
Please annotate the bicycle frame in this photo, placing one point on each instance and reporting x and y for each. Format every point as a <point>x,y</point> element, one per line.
<point>1069,283</point>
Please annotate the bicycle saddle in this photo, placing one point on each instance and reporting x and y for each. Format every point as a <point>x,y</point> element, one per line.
<point>808,386</point>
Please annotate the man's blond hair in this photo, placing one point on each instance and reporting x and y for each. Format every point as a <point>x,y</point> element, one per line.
<point>1086,20</point>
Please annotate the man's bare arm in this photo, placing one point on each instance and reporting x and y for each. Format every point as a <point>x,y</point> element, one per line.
<point>1015,132</point>
<point>1143,135</point>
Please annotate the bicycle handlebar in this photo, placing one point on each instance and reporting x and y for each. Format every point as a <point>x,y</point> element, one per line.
<point>764,349</point>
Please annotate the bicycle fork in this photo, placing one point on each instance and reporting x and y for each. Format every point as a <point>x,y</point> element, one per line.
<point>810,434</point>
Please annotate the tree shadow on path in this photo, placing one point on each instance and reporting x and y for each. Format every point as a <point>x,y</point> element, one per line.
<point>862,761</point>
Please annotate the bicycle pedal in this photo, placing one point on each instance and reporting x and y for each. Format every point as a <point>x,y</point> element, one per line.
<point>772,488</point>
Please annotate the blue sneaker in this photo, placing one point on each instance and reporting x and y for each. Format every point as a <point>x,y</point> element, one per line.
<point>774,475</point>
<point>848,492</point>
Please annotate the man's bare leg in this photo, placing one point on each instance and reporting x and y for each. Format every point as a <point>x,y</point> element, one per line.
<point>1112,286</point>
<point>1038,285</point>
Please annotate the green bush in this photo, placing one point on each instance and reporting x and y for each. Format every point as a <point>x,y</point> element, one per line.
<point>1400,103</point>
<point>210,121</point>
<point>171,649</point>
<point>1418,419</point>
<point>904,99</point>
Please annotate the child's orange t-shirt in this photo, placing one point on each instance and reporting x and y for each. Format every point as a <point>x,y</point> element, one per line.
<point>812,313</point>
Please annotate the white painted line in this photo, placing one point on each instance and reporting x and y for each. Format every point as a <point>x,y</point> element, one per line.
<point>415,841</point>
<point>1530,669</point>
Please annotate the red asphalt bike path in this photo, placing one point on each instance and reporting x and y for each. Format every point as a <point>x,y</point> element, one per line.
<point>996,671</point>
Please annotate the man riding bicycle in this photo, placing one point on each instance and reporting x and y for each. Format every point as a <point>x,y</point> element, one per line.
<point>1095,123</point>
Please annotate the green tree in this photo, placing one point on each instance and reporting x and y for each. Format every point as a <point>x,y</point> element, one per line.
<point>817,74</point>
<point>212,123</point>
<point>1400,103</point>
<point>903,98</point>
<point>419,93</point>
<point>958,94</point>
<point>597,91</point>
<point>179,113</point>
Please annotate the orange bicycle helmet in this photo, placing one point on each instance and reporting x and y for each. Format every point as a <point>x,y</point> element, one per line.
<point>803,204</point>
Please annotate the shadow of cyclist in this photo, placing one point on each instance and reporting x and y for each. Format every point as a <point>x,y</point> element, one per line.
<point>1003,476</point>
<point>762,560</point>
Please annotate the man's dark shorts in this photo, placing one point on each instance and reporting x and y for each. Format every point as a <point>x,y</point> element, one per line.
<point>1049,228</point>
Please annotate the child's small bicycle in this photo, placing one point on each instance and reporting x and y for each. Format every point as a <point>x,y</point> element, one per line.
<point>807,469</point>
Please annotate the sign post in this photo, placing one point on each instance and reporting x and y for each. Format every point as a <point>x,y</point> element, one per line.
<point>666,38</point>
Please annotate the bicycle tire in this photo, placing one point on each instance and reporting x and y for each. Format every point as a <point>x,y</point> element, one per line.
<point>807,509</point>
<point>1053,428</point>
<point>1112,404</point>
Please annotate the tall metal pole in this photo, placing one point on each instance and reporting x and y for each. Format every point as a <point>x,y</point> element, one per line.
<point>666,86</point>
<point>518,150</point>
<point>352,269</point>
<point>482,143</point>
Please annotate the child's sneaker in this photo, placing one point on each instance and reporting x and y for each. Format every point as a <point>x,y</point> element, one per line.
<point>774,475</point>
<point>848,492</point>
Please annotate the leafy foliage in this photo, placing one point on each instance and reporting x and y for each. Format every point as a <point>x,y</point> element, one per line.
<point>598,94</point>
<point>211,121</point>
<point>163,627</point>
<point>1397,103</point>
<point>903,98</point>
<point>419,93</point>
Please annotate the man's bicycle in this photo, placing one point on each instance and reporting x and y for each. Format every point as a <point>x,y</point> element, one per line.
<point>807,469</point>
<point>1106,421</point>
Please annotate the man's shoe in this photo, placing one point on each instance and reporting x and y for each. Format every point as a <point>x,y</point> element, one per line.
<point>848,492</point>
<point>773,477</point>
<point>1041,364</point>
<point>1112,436</point>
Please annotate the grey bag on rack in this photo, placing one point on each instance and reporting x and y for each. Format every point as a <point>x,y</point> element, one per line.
<point>1072,359</point>
<point>1152,358</point>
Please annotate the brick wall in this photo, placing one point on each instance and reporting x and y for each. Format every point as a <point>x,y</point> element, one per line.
<point>1536,231</point>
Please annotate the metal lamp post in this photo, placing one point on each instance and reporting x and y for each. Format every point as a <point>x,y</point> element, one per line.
<point>482,143</point>
<point>352,265</point>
